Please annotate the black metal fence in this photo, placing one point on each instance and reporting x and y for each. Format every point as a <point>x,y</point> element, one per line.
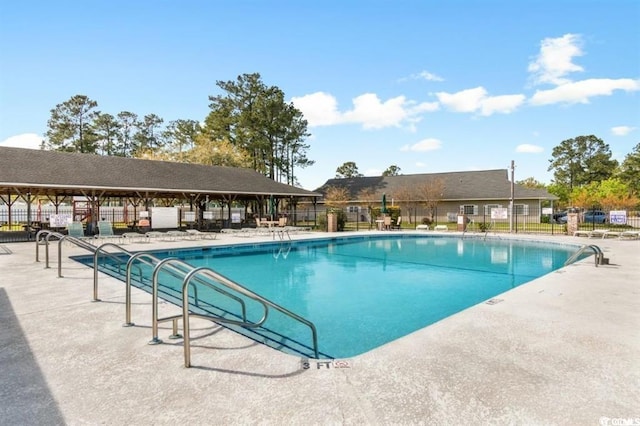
<point>531,221</point>
<point>23,223</point>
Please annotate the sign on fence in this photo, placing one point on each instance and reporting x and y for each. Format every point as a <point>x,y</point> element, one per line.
<point>59,220</point>
<point>618,217</point>
<point>499,213</point>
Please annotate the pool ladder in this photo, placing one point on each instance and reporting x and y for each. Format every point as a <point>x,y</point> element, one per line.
<point>599,255</point>
<point>190,276</point>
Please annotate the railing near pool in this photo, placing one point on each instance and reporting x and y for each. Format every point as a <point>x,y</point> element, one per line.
<point>599,255</point>
<point>191,278</point>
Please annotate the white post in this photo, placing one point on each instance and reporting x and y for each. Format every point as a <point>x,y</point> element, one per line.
<point>511,205</point>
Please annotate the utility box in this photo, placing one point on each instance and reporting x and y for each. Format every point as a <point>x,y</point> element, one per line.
<point>462,222</point>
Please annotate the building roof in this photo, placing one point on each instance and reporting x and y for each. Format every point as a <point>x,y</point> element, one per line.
<point>471,185</point>
<point>58,173</point>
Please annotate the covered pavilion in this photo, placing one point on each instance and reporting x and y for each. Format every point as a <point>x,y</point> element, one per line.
<point>27,174</point>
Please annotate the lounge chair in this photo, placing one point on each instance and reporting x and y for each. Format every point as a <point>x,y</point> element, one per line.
<point>633,235</point>
<point>582,233</point>
<point>105,231</point>
<point>76,230</point>
<point>602,233</point>
<point>157,235</point>
<point>202,235</point>
<point>135,237</point>
<point>178,234</point>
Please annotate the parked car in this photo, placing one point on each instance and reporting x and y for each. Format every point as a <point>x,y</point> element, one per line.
<point>561,217</point>
<point>595,216</point>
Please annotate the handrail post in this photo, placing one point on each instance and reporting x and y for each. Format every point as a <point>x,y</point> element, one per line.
<point>59,257</point>
<point>154,302</point>
<point>96,255</point>
<point>46,252</point>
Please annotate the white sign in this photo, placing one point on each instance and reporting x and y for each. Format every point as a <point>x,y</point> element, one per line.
<point>499,213</point>
<point>547,210</point>
<point>235,218</point>
<point>164,217</point>
<point>59,220</point>
<point>618,217</point>
<point>189,216</point>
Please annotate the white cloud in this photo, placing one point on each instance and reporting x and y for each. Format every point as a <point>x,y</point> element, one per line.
<point>622,130</point>
<point>424,145</point>
<point>25,140</point>
<point>554,61</point>
<point>529,149</point>
<point>321,109</point>
<point>504,104</point>
<point>581,91</point>
<point>464,101</point>
<point>477,100</point>
<point>420,164</point>
<point>374,114</point>
<point>423,75</point>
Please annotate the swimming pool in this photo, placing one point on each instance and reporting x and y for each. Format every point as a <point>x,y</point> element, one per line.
<point>364,292</point>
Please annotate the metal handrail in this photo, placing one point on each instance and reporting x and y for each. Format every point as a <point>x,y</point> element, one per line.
<point>171,262</point>
<point>192,274</point>
<point>176,272</point>
<point>96,256</point>
<point>239,288</point>
<point>599,255</point>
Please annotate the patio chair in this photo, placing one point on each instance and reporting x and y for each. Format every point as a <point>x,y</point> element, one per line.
<point>157,235</point>
<point>76,230</point>
<point>202,235</point>
<point>105,231</point>
<point>633,235</point>
<point>602,233</point>
<point>397,224</point>
<point>179,234</point>
<point>135,237</point>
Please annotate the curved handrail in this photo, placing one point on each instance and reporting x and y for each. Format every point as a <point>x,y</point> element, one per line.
<point>180,273</point>
<point>154,303</point>
<point>43,235</point>
<point>599,255</point>
<point>239,288</point>
<point>96,257</point>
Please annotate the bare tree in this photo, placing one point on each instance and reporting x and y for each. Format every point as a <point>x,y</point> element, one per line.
<point>336,196</point>
<point>368,196</point>
<point>430,194</point>
<point>407,198</point>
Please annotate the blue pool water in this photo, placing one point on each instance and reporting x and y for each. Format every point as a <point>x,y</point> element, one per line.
<point>364,292</point>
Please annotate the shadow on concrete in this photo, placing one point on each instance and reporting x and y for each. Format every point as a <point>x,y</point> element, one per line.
<point>25,398</point>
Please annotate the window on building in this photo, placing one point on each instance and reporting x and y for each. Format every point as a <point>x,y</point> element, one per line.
<point>469,209</point>
<point>521,209</point>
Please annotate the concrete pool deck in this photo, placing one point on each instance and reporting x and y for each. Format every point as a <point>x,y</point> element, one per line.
<point>563,349</point>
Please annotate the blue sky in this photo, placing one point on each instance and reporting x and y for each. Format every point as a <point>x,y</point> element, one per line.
<point>429,86</point>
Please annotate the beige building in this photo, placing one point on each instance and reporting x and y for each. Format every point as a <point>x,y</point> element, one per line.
<point>482,196</point>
